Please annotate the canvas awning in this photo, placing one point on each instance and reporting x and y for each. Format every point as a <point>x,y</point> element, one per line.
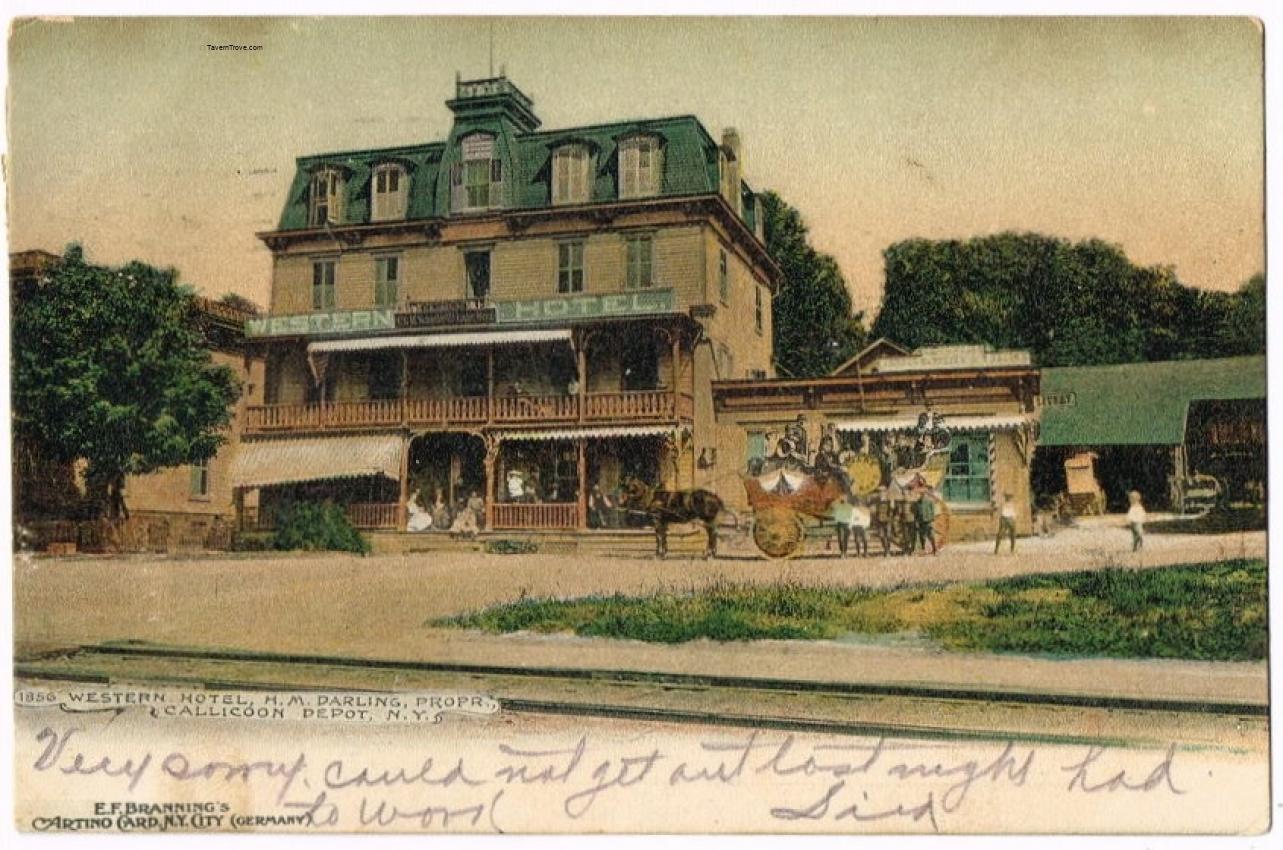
<point>1003,422</point>
<point>577,433</point>
<point>448,340</point>
<point>270,462</point>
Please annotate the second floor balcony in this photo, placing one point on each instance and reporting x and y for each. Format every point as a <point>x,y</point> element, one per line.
<point>622,407</point>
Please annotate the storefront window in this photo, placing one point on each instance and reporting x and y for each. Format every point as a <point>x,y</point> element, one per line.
<point>967,481</point>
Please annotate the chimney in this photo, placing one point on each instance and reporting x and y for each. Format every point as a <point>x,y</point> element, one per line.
<point>733,163</point>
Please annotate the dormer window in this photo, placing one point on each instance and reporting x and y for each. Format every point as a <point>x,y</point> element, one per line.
<point>476,182</point>
<point>570,183</point>
<point>326,197</point>
<point>390,193</point>
<point>641,167</point>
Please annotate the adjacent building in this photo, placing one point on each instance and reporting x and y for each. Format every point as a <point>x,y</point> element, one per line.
<point>875,404</point>
<point>183,507</point>
<point>511,313</point>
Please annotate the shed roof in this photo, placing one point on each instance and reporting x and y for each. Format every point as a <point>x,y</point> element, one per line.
<point>1135,404</point>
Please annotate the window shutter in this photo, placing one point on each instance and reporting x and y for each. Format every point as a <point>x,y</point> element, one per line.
<point>628,170</point>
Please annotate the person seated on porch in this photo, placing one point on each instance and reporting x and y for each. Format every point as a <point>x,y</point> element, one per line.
<point>465,522</point>
<point>601,510</point>
<point>517,390</point>
<point>572,387</point>
<point>478,507</point>
<point>440,514</point>
<point>420,517</point>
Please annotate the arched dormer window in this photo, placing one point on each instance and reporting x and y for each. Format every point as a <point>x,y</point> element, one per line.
<point>325,197</point>
<point>476,181</point>
<point>389,192</point>
<point>641,167</point>
<point>571,183</point>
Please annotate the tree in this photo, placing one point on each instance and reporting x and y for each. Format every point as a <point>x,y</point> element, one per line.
<point>815,329</point>
<point>1069,303</point>
<point>239,302</point>
<point>109,367</point>
<point>1242,327</point>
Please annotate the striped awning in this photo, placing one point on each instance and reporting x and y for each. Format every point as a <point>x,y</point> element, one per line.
<point>1003,422</point>
<point>577,433</point>
<point>289,461</point>
<point>447,340</point>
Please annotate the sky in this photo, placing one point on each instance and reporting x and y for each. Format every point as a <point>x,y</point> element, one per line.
<point>134,138</point>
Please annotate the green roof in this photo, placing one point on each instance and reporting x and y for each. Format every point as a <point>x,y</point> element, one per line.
<point>1136,404</point>
<point>690,163</point>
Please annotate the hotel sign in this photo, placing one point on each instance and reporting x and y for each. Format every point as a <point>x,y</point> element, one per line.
<point>640,303</point>
<point>331,322</point>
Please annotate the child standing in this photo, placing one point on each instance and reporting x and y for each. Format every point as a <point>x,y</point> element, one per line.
<point>1136,519</point>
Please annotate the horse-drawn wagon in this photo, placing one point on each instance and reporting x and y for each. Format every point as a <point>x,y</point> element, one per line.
<point>789,496</point>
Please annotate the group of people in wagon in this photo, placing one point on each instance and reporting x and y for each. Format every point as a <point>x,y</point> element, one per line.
<point>855,517</point>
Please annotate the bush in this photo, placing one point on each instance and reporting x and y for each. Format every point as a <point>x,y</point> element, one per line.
<point>311,526</point>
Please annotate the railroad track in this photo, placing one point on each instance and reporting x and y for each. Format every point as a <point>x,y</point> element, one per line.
<point>891,709</point>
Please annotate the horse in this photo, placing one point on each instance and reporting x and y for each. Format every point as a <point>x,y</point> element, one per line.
<point>669,506</point>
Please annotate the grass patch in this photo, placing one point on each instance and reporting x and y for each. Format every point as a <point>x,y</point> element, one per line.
<point>1214,611</point>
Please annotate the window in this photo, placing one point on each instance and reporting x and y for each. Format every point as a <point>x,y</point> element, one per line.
<point>387,273</point>
<point>758,317</point>
<point>326,197</point>
<point>570,267</point>
<point>640,262</point>
<point>323,285</point>
<point>725,362</point>
<point>477,267</point>
<point>199,488</point>
<point>476,182</point>
<point>640,167</point>
<point>723,278</point>
<point>967,480</point>
<point>570,183</point>
<point>391,193</point>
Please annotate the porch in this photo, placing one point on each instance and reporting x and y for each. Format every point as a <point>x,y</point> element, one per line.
<point>636,406</point>
<point>624,373</point>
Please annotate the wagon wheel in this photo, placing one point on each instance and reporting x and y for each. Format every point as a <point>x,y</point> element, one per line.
<point>778,532</point>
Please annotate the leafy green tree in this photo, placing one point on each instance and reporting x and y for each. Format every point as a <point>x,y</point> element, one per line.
<point>1069,303</point>
<point>815,329</point>
<point>109,367</point>
<point>1242,328</point>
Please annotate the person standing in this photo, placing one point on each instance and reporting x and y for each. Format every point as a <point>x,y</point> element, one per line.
<point>924,517</point>
<point>1136,520</point>
<point>842,524</point>
<point>1006,523</point>
<point>882,519</point>
<point>860,521</point>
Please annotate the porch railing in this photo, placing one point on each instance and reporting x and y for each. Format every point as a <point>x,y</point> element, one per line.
<point>644,404</point>
<point>632,406</point>
<point>535,408</point>
<point>373,514</point>
<point>538,515</point>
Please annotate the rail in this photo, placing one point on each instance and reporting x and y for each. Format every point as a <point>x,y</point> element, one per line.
<point>536,515</point>
<point>630,406</point>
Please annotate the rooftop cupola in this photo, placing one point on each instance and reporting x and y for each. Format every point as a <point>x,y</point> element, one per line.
<point>493,97</point>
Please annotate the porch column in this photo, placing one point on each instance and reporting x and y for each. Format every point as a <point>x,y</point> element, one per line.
<point>677,347</point>
<point>492,457</point>
<point>581,364</point>
<point>581,509</point>
<point>238,506</point>
<point>403,499</point>
<point>405,387</point>
<point>489,383</point>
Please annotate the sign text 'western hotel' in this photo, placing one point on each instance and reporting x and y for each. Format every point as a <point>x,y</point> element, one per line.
<point>507,312</point>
